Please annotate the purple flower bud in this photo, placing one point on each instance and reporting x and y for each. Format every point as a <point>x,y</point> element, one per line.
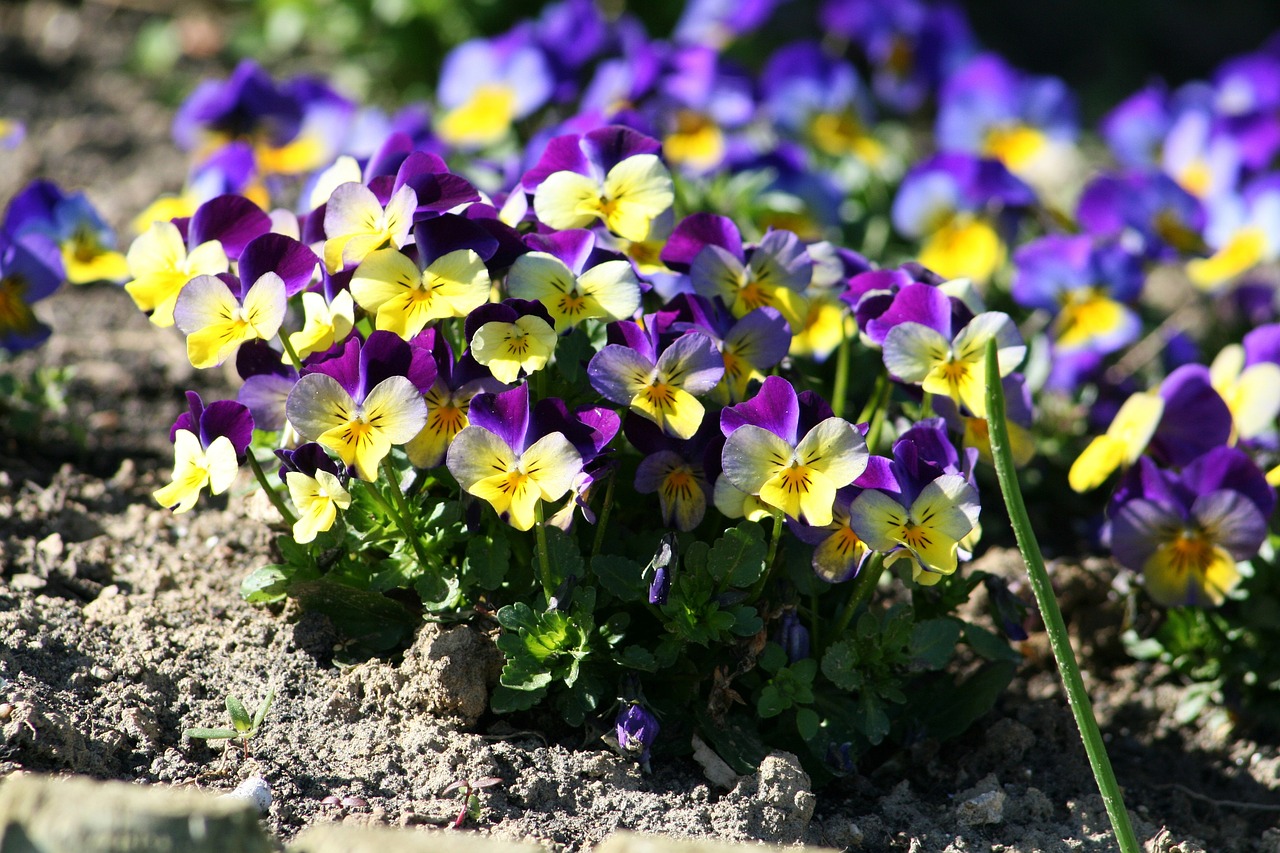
<point>660,586</point>
<point>637,729</point>
<point>792,636</point>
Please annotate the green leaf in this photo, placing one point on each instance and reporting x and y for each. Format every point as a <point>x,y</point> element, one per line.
<point>621,576</point>
<point>872,720</point>
<point>807,723</point>
<point>840,666</point>
<point>564,556</point>
<point>638,657</point>
<point>375,621</point>
<point>989,644</point>
<point>746,621</point>
<point>773,658</point>
<point>261,713</point>
<point>933,642</point>
<point>504,699</point>
<point>694,559</point>
<point>239,716</point>
<point>211,734</point>
<point>946,709</point>
<point>771,703</point>
<point>266,584</point>
<point>486,563</point>
<point>572,352</point>
<point>292,553</point>
<point>734,739</point>
<point>737,558</point>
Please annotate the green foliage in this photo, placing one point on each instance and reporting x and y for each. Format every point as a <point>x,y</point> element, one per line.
<point>244,725</point>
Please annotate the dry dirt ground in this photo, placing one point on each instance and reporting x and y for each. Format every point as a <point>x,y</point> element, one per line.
<point>120,624</point>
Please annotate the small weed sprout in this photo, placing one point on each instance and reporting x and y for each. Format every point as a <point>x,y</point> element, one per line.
<point>470,797</point>
<point>243,725</point>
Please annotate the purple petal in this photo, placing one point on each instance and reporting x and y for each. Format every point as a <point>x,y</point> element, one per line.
<point>506,415</point>
<point>265,395</point>
<point>437,189</point>
<point>1139,528</point>
<point>449,232</point>
<point>562,154</point>
<point>573,246</point>
<point>231,220</point>
<point>344,368</point>
<point>282,255</point>
<point>386,354</point>
<point>606,147</point>
<point>1230,468</point>
<point>696,232</point>
<point>775,408</point>
<point>1195,420</point>
<point>916,303</point>
<point>693,362</point>
<point>1263,343</point>
<point>190,419</point>
<point>229,418</point>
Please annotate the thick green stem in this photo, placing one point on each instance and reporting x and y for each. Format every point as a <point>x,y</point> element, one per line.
<point>290,351</point>
<point>840,389</point>
<point>272,494</point>
<point>400,513</point>
<point>603,521</point>
<point>1059,642</point>
<point>860,593</point>
<point>544,558</point>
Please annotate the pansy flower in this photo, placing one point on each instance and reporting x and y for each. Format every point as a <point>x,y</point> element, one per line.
<point>661,386</point>
<point>990,109</point>
<point>500,459</point>
<point>219,313</point>
<point>749,346</point>
<point>674,469</point>
<point>357,222</point>
<point>1243,231</point>
<point>765,455</point>
<point>71,221</point>
<point>448,399</point>
<point>1144,210</point>
<point>821,99</point>
<point>317,487</point>
<point>1185,532</point>
<point>612,175</point>
<point>839,552</point>
<point>772,273</point>
<point>589,429</point>
<point>364,401</point>
<point>948,202</point>
<point>1085,287</point>
<point>924,351</point>
<point>568,274</point>
<point>164,258</point>
<point>267,380</point>
<point>325,323</point>
<point>828,321</point>
<point>1183,419</point>
<point>1249,387</point>
<point>487,84</point>
<point>449,278</point>
<point>30,270</point>
<point>208,445</point>
<point>511,337</point>
<point>931,507</point>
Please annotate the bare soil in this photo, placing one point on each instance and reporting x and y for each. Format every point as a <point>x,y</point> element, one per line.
<point>121,624</point>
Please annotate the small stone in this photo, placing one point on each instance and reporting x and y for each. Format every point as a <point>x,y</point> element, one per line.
<point>254,790</point>
<point>982,809</point>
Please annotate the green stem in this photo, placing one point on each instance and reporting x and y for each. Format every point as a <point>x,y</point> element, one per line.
<point>860,593</point>
<point>544,558</point>
<point>272,494</point>
<point>401,512</point>
<point>603,521</point>
<point>1059,642</point>
<point>290,351</point>
<point>840,390</point>
<point>779,522</point>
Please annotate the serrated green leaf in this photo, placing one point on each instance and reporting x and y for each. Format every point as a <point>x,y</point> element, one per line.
<point>933,642</point>
<point>621,576</point>
<point>737,557</point>
<point>946,709</point>
<point>872,720</point>
<point>292,553</point>
<point>505,700</point>
<point>804,670</point>
<point>989,644</point>
<point>517,617</point>
<point>486,562</point>
<point>773,658</point>
<point>771,702</point>
<point>572,352</point>
<point>746,621</point>
<point>563,555</point>
<point>371,619</point>
<point>694,560</point>
<point>266,584</point>
<point>638,657</point>
<point>211,734</point>
<point>840,665</point>
<point>239,716</point>
<point>807,723</point>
